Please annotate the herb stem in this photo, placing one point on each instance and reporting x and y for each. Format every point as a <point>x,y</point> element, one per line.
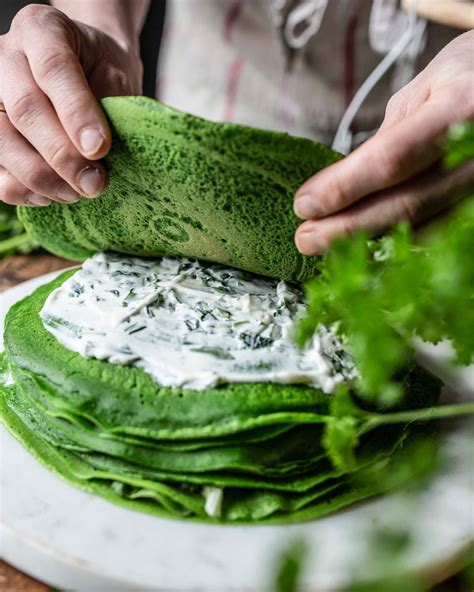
<point>14,242</point>
<point>428,414</point>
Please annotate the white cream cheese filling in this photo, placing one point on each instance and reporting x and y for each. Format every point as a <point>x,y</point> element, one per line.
<point>192,324</point>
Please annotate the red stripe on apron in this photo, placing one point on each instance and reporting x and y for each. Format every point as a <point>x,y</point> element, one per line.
<point>232,87</point>
<point>231,19</point>
<point>235,69</point>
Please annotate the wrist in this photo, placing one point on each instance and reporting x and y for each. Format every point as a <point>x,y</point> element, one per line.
<point>119,19</point>
<point>128,40</point>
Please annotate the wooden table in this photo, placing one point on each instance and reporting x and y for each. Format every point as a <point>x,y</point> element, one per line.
<point>19,268</point>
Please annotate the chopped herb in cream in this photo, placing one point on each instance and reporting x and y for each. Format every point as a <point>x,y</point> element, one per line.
<point>214,496</point>
<point>191,324</point>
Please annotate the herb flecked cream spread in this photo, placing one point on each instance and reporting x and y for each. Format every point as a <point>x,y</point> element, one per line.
<point>190,324</point>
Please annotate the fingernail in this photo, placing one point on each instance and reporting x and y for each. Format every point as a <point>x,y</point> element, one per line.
<point>66,193</point>
<point>308,242</point>
<point>304,206</point>
<point>91,140</point>
<point>91,182</point>
<point>38,200</point>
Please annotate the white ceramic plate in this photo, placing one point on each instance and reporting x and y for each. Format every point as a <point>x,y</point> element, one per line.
<point>80,542</point>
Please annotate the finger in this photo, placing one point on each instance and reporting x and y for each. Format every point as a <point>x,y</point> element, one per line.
<point>59,74</point>
<point>27,166</point>
<point>16,194</point>
<point>31,113</point>
<point>415,201</point>
<point>390,157</point>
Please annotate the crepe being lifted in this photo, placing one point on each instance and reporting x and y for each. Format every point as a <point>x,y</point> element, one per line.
<point>170,385</point>
<point>183,186</point>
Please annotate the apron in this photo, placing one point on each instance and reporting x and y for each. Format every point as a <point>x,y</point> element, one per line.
<point>288,65</point>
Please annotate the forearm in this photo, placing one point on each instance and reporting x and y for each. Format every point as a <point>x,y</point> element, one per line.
<point>121,19</point>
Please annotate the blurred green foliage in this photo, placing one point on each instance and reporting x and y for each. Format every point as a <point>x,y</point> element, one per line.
<point>380,294</point>
<point>290,567</point>
<point>13,237</point>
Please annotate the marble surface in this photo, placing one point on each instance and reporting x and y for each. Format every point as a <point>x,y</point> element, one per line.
<point>77,541</point>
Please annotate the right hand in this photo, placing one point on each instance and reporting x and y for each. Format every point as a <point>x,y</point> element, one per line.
<point>54,133</point>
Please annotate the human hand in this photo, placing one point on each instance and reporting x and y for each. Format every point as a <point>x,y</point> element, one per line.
<point>52,130</point>
<point>396,175</point>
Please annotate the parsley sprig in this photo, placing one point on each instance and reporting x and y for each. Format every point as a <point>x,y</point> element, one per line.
<point>347,422</point>
<point>381,294</point>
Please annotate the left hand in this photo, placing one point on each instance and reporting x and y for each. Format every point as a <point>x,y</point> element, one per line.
<point>396,175</point>
<point>52,130</point>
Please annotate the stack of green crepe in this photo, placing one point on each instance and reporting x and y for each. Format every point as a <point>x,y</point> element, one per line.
<point>235,453</point>
<point>242,452</point>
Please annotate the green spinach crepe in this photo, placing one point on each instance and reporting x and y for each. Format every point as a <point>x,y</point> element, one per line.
<point>183,186</point>
<point>248,451</point>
